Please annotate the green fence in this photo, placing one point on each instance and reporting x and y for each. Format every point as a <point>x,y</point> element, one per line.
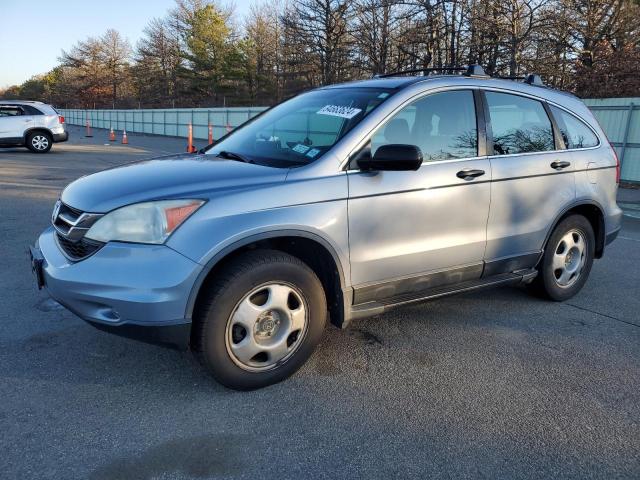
<point>172,122</point>
<point>620,118</point>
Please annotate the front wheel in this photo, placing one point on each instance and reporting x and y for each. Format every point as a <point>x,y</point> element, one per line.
<point>567,259</point>
<point>39,142</point>
<point>259,319</point>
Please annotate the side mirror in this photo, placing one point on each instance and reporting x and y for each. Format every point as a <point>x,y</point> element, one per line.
<point>394,157</point>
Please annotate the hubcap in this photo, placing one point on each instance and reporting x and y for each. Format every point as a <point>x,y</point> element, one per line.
<point>266,327</point>
<point>40,142</point>
<point>569,258</point>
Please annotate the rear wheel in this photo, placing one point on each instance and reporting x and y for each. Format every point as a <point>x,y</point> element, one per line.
<point>39,142</point>
<point>259,320</point>
<point>567,259</point>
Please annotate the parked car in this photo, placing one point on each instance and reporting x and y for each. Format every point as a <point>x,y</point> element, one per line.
<point>337,204</point>
<point>35,125</point>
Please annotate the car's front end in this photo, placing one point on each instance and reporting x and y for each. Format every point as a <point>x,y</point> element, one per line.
<point>106,255</point>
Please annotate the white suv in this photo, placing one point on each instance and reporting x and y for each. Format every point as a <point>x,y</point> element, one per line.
<point>30,124</point>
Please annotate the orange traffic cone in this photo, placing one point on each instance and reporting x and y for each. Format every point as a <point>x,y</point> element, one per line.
<point>190,147</point>
<point>89,134</point>
<point>210,134</point>
<point>125,140</point>
<point>229,127</point>
<point>112,135</point>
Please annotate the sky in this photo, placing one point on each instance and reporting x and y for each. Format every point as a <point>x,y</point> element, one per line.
<point>34,32</point>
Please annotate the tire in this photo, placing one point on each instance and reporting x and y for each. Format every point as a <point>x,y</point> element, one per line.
<point>267,302</point>
<point>39,142</point>
<point>567,259</point>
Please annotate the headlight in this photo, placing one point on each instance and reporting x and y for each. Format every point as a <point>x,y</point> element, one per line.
<point>149,222</point>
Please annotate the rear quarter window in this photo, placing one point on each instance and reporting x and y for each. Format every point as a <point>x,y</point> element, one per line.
<point>575,132</point>
<point>29,110</point>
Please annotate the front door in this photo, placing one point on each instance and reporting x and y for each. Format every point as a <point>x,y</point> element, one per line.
<point>414,230</point>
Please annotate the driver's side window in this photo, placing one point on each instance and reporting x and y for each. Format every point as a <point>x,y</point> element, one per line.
<point>443,125</point>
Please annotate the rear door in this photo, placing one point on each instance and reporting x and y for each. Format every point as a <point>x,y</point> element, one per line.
<point>414,230</point>
<point>533,179</point>
<point>13,122</point>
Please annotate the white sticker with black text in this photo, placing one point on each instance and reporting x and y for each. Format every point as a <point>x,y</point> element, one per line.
<point>339,111</point>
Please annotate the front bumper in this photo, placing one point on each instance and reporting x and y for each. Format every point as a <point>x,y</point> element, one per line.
<point>60,137</point>
<point>134,290</point>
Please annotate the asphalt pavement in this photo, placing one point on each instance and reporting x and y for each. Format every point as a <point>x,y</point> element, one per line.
<point>494,384</point>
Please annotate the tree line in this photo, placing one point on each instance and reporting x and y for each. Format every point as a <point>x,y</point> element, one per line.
<point>201,54</point>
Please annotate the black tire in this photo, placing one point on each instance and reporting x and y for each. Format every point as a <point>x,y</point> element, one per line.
<point>39,142</point>
<point>546,284</point>
<point>222,296</point>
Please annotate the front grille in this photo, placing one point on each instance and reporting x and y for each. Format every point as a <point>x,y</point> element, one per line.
<point>71,226</point>
<point>78,250</point>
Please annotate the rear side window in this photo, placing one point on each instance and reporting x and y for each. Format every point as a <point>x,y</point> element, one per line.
<point>574,131</point>
<point>29,110</point>
<point>6,111</point>
<point>518,124</point>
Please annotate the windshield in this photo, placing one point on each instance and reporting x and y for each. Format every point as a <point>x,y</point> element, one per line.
<point>300,130</point>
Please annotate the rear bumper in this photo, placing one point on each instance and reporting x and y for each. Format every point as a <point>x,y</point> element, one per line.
<point>60,137</point>
<point>611,236</point>
<point>137,291</point>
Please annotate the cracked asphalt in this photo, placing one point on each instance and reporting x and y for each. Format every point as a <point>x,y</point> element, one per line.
<point>493,384</point>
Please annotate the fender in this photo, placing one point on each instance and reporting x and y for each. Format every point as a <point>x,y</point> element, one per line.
<point>31,129</point>
<point>195,289</point>
<point>563,212</point>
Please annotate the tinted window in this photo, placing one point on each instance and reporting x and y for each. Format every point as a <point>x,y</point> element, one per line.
<point>574,132</point>
<point>6,111</point>
<point>519,124</point>
<point>29,110</point>
<point>442,125</point>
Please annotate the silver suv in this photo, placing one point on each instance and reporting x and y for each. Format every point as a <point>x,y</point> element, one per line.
<point>35,125</point>
<point>338,204</point>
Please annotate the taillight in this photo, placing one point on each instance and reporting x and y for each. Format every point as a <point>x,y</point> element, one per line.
<point>60,118</point>
<point>615,154</point>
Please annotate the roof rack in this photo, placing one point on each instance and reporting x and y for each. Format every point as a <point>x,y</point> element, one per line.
<point>470,71</point>
<point>531,79</point>
<point>419,70</point>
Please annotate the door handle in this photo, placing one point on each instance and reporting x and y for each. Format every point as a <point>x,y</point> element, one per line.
<point>469,174</point>
<point>558,165</point>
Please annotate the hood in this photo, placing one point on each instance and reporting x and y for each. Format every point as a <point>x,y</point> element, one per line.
<point>180,176</point>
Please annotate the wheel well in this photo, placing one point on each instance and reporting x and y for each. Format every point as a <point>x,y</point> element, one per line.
<point>37,129</point>
<point>311,252</point>
<point>596,219</point>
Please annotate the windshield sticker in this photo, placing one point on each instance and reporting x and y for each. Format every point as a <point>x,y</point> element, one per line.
<point>313,152</point>
<point>339,111</point>
<point>300,148</point>
<point>383,95</point>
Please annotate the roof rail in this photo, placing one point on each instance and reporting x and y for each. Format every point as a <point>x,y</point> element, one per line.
<point>475,71</point>
<point>420,70</point>
<point>531,79</point>
<point>470,71</point>
<point>534,79</point>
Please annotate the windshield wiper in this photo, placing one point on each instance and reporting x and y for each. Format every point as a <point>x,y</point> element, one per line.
<point>233,156</point>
